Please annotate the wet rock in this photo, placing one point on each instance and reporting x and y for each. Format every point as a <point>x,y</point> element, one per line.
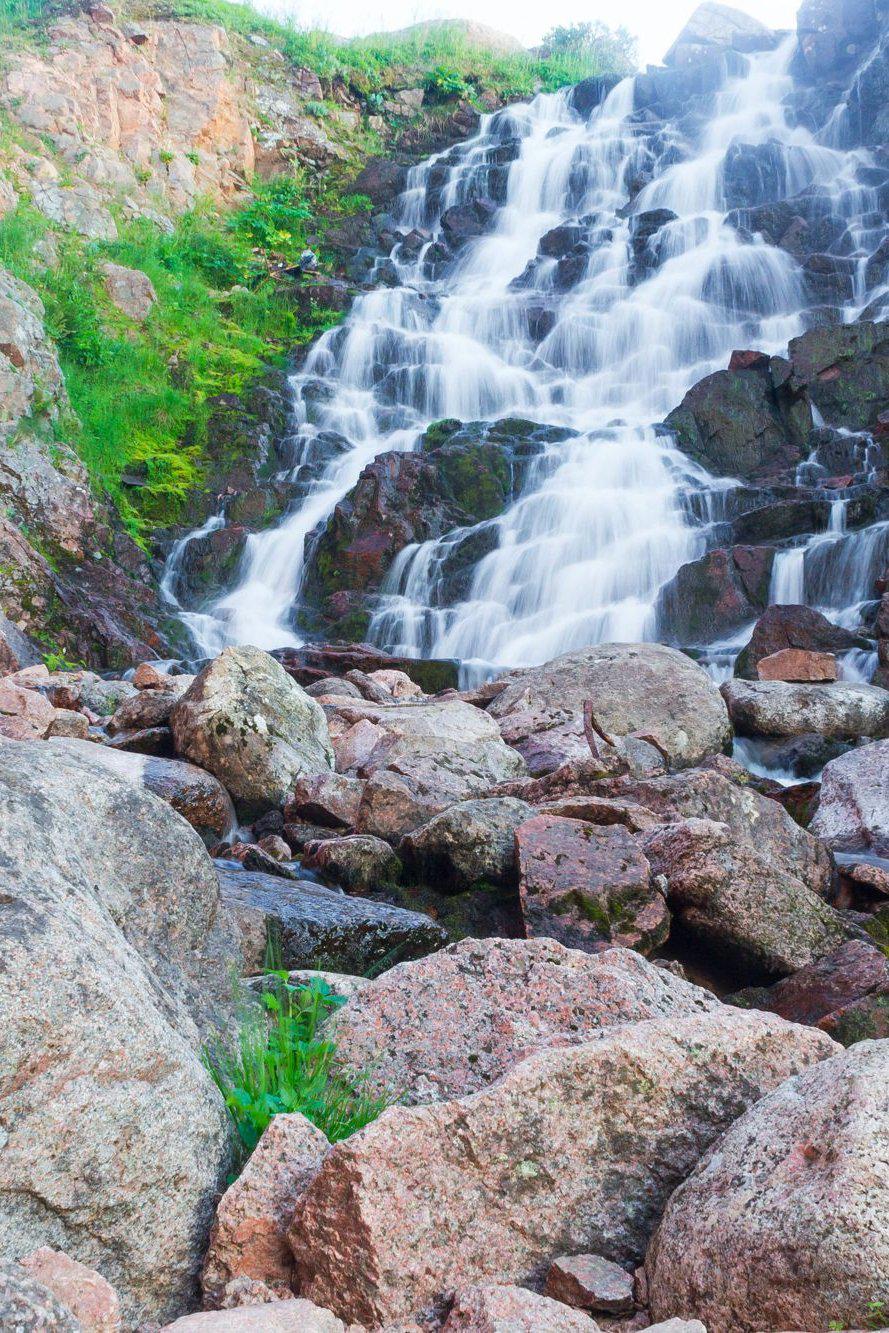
<point>589,1282</point>
<point>455,1022</point>
<point>358,864</point>
<point>587,886</point>
<point>844,370</point>
<point>91,1300</point>
<point>315,661</point>
<point>191,791</point>
<point>796,664</point>
<point>732,897</point>
<point>781,627</point>
<point>114,949</point>
<point>249,1236</point>
<point>130,290</point>
<point>491,1308</point>
<point>713,596</point>
<point>316,924</point>
<point>209,564</point>
<point>646,689</point>
<point>617,1122</point>
<point>741,423</point>
<point>471,841</point>
<point>853,812</point>
<point>784,1223</point>
<point>833,35</point>
<point>27,1306</point>
<point>463,222</point>
<point>247,722</point>
<point>329,799</point>
<point>274,846</point>
<point>779,708</point>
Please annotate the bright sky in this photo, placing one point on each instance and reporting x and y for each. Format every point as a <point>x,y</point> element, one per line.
<point>654,22</point>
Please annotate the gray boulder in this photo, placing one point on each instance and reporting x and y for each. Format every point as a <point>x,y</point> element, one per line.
<point>785,1222</point>
<point>853,811</point>
<point>357,864</point>
<point>779,708</point>
<point>641,688</point>
<point>472,841</point>
<point>247,721</point>
<point>115,1138</point>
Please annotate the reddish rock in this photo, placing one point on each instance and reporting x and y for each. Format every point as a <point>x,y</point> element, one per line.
<point>249,1235</point>
<point>357,864</point>
<point>587,885</point>
<point>853,812</point>
<point>496,1309</point>
<point>589,1282</point>
<point>864,873</point>
<point>148,677</point>
<point>68,723</point>
<point>797,664</point>
<point>274,846</point>
<point>354,746</point>
<point>575,1148</point>
<point>781,627</point>
<point>454,1022</point>
<point>747,360</point>
<point>398,683</point>
<point>25,714</point>
<point>329,799</point>
<point>847,975</point>
<point>293,1316</point>
<point>91,1299</point>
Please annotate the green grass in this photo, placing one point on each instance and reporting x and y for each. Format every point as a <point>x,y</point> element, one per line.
<point>280,1063</point>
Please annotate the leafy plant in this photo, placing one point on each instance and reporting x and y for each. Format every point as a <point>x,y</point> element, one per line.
<point>280,1063</point>
<point>443,84</point>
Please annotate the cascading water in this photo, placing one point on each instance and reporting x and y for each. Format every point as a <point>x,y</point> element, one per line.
<point>604,518</point>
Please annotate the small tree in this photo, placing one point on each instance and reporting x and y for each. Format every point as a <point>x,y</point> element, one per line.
<point>613,49</point>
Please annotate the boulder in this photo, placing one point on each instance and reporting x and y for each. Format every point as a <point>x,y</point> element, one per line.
<point>116,1139</point>
<point>844,370</point>
<point>27,1306</point>
<point>718,26</point>
<point>732,897</point>
<point>25,714</point>
<point>575,1149</point>
<point>490,1308</point>
<point>470,842</point>
<point>357,864</point>
<point>833,34</point>
<point>456,1021</point>
<point>321,927</point>
<point>83,1291</point>
<point>589,1282</point>
<point>587,885</point>
<point>191,791</point>
<point>795,664</point>
<point>780,708</point>
<point>781,627</point>
<point>644,688</point>
<point>712,597</point>
<point>247,722</point>
<point>853,812</point>
<point>16,650</point>
<point>294,1316</point>
<point>130,290</point>
<point>329,799</point>
<point>249,1236</point>
<point>785,1222</point>
<point>147,708</point>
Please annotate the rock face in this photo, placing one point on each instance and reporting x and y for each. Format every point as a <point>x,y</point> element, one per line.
<point>472,841</point>
<point>798,1186</point>
<point>853,811</point>
<point>454,1022</point>
<point>249,1236</point>
<point>318,926</point>
<point>116,1138</point>
<point>633,688</point>
<point>779,708</point>
<point>587,886</point>
<point>252,726</point>
<point>576,1149</point>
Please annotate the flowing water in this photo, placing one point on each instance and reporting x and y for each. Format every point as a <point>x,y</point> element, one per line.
<point>606,517</point>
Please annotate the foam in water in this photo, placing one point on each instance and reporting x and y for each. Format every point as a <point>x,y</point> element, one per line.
<point>604,519</point>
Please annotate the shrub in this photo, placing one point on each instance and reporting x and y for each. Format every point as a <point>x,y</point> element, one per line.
<point>443,84</point>
<point>280,1063</point>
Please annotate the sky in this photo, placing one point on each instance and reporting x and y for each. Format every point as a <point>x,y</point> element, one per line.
<point>654,22</point>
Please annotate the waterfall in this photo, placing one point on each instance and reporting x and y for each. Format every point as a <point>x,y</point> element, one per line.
<point>604,518</point>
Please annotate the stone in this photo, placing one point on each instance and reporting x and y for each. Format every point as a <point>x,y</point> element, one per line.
<point>797,664</point>
<point>398,683</point>
<point>25,714</point>
<point>589,1282</point>
<point>716,595</point>
<point>470,842</point>
<point>332,685</point>
<point>249,1235</point>
<point>115,960</point>
<point>130,290</point>
<point>779,708</point>
<point>293,1316</point>
<point>27,1306</point>
<point>853,810</point>
<point>733,898</point>
<point>354,748</point>
<point>829,993</point>
<point>358,864</point>
<point>193,793</point>
<point>149,677</point>
<point>456,1021</point>
<point>146,708</point>
<point>587,886</point>
<point>575,1149</point>
<point>329,799</point>
<point>247,722</point>
<point>274,846</point>
<point>489,1308</point>
<point>84,1292</point>
<point>844,370</point>
<point>318,926</point>
<point>646,689</point>
<point>76,208</point>
<point>15,649</point>
<point>68,724</point>
<point>716,25</point>
<point>783,1224</point>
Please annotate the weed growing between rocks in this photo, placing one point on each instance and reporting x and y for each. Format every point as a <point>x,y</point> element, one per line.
<point>281,1063</point>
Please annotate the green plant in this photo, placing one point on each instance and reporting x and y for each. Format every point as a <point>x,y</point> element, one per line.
<point>442,84</point>
<point>280,1063</point>
<point>57,661</point>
